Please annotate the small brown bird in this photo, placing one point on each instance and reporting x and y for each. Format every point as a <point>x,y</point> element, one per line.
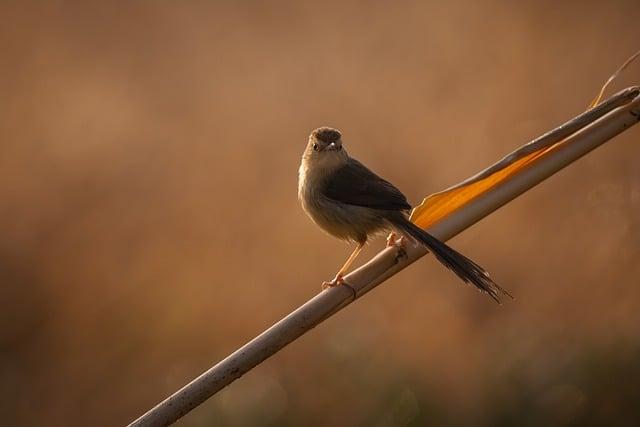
<point>352,203</point>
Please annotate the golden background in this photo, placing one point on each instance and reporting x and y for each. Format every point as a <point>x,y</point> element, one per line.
<point>149,223</point>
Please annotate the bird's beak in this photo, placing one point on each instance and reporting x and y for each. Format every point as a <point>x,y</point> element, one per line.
<point>333,147</point>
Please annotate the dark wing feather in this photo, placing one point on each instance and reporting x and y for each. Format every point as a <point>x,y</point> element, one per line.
<point>354,184</point>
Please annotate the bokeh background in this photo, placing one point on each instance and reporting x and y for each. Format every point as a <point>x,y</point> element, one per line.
<point>149,223</point>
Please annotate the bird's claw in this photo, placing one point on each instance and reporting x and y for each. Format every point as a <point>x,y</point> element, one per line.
<point>391,240</point>
<point>398,243</point>
<point>339,281</point>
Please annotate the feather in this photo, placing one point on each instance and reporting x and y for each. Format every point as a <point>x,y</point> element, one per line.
<point>354,184</point>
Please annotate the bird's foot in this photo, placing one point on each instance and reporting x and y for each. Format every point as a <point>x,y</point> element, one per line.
<point>398,243</point>
<point>339,281</point>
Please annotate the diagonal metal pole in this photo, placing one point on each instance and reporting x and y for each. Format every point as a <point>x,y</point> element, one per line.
<point>602,123</point>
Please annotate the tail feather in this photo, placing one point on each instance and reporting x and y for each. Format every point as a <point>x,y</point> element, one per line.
<point>463,267</point>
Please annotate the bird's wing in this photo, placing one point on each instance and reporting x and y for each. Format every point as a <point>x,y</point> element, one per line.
<point>354,184</point>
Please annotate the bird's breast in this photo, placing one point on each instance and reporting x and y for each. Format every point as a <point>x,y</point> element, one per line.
<point>344,221</point>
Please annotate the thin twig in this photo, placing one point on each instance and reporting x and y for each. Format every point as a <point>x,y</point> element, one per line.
<point>612,78</point>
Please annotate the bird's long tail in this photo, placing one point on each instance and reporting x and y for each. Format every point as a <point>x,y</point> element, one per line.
<point>466,269</point>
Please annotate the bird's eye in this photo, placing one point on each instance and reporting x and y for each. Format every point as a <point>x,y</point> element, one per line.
<point>315,147</point>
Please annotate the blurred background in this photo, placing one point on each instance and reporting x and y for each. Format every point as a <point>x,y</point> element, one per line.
<point>149,222</point>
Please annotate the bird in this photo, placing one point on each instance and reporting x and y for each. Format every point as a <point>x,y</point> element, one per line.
<point>349,201</point>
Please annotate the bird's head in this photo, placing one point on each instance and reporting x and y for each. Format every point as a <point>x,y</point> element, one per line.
<point>325,139</point>
<point>325,148</point>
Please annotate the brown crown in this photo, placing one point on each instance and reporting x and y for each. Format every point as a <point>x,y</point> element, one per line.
<point>326,135</point>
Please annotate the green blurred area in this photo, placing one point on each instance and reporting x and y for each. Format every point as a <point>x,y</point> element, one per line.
<point>149,223</point>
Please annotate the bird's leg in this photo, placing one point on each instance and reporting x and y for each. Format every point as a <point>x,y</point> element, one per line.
<point>394,242</point>
<point>338,280</point>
